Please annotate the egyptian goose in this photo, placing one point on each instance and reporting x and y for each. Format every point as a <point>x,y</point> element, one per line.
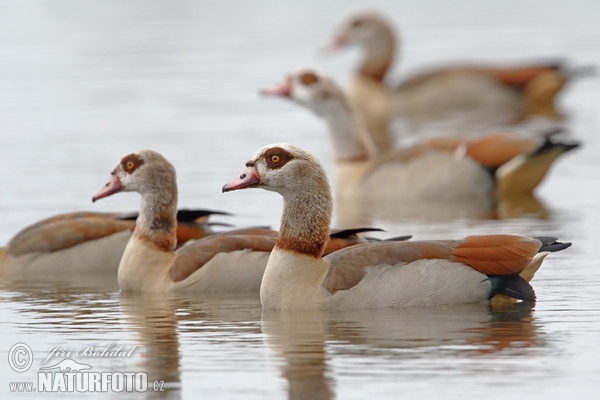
<point>374,275</point>
<point>232,261</point>
<point>482,95</point>
<point>438,168</point>
<point>84,242</point>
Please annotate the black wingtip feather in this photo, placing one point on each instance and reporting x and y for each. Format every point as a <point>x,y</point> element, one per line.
<point>551,143</point>
<point>187,215</point>
<point>183,214</point>
<point>401,238</point>
<point>550,244</point>
<point>344,233</point>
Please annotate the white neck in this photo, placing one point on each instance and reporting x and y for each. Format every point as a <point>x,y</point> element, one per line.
<point>292,281</point>
<point>353,149</point>
<point>351,142</point>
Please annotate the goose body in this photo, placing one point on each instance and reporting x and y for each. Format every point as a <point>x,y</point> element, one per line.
<point>231,261</point>
<point>439,168</point>
<point>463,95</point>
<point>150,262</point>
<point>83,242</point>
<point>375,275</point>
<point>237,271</point>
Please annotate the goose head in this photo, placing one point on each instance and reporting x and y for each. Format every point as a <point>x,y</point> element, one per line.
<point>365,29</point>
<point>145,172</point>
<point>307,202</point>
<point>326,99</point>
<point>281,168</point>
<point>312,90</point>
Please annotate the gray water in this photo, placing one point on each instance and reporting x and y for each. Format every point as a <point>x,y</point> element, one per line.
<point>84,82</point>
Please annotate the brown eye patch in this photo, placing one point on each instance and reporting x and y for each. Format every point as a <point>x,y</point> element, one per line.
<point>308,78</point>
<point>277,157</point>
<point>131,162</point>
<point>356,23</point>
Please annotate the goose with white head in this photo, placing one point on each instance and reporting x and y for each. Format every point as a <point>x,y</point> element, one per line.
<point>79,243</point>
<point>463,94</point>
<point>218,263</point>
<point>376,275</point>
<point>440,168</point>
<point>230,261</point>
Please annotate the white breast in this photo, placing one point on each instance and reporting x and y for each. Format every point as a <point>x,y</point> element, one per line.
<point>144,267</point>
<point>292,281</point>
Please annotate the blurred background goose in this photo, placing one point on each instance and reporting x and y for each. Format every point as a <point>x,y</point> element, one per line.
<point>441,168</point>
<point>468,94</point>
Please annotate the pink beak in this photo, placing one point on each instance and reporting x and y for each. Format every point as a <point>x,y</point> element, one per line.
<point>248,179</point>
<point>111,187</point>
<point>281,89</point>
<point>336,43</point>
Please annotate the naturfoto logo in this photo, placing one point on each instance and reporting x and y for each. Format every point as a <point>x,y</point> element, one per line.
<point>65,374</point>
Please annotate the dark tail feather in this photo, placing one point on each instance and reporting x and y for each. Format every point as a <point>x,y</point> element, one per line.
<point>401,238</point>
<point>549,144</point>
<point>183,214</point>
<point>223,224</point>
<point>550,244</point>
<point>345,233</point>
<point>187,215</point>
<point>513,286</point>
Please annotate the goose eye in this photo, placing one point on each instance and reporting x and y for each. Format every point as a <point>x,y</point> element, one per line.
<point>275,158</point>
<point>308,78</point>
<point>356,23</point>
<point>131,163</point>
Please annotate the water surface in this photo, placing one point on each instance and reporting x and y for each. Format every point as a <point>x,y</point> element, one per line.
<point>82,83</point>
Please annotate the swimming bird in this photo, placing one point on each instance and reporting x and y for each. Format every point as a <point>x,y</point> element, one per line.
<point>440,168</point>
<point>85,242</point>
<point>374,275</point>
<point>463,93</point>
<point>231,261</point>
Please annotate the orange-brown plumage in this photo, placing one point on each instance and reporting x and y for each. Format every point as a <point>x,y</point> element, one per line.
<point>496,254</point>
<point>497,149</point>
<point>186,232</point>
<point>491,150</point>
<point>517,77</point>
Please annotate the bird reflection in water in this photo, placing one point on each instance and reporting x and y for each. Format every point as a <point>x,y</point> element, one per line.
<point>305,343</point>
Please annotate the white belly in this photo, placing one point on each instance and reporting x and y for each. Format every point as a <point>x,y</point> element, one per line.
<point>421,283</point>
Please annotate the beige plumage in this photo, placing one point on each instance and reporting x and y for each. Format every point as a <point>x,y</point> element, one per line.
<point>232,261</point>
<point>464,95</point>
<point>374,275</point>
<point>83,242</point>
<point>438,168</point>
